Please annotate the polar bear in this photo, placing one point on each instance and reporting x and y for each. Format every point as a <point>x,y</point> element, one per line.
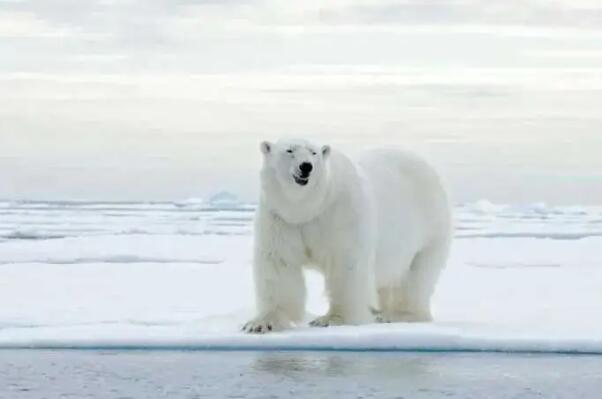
<point>378,228</point>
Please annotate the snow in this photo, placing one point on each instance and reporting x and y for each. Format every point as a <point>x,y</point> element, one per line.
<point>165,275</point>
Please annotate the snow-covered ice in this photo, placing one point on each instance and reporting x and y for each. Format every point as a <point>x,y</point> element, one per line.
<point>178,275</point>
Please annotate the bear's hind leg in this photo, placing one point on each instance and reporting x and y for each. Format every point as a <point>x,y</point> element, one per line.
<point>391,292</point>
<point>411,300</point>
<point>390,302</point>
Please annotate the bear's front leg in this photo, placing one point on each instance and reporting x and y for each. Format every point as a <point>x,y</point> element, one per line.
<point>280,296</point>
<point>350,287</point>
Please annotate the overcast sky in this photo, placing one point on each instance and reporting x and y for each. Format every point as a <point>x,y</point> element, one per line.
<point>168,99</point>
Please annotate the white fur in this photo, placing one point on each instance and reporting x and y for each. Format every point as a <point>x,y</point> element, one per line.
<point>378,229</point>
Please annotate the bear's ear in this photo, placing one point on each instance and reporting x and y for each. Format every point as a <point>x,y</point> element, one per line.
<point>325,151</point>
<point>265,147</point>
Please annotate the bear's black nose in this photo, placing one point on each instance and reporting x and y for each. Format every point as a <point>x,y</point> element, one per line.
<point>305,169</point>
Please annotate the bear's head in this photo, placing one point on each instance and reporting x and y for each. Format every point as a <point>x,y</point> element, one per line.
<point>294,173</point>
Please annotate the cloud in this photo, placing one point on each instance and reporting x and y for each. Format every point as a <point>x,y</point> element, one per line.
<point>15,24</point>
<point>138,18</point>
<point>200,81</point>
<point>220,35</point>
<point>473,12</point>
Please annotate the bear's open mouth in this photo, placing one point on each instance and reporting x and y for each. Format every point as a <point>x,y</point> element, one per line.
<point>300,180</point>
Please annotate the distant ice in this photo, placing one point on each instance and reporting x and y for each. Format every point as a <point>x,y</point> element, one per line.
<point>224,214</point>
<point>224,198</point>
<point>190,202</point>
<point>484,207</point>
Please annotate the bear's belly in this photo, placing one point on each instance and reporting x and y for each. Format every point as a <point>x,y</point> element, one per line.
<point>318,246</point>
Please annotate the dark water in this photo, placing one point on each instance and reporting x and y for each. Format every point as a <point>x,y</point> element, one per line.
<point>167,374</point>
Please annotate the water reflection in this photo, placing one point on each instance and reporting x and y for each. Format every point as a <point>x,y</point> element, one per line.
<point>335,364</point>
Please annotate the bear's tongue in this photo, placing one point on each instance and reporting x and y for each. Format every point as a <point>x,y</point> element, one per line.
<point>300,181</point>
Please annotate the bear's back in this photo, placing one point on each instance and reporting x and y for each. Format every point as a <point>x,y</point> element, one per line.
<point>410,199</point>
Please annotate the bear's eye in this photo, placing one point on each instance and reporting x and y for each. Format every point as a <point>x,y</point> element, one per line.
<point>313,153</point>
<point>289,151</point>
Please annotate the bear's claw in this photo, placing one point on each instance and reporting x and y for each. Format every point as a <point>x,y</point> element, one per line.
<point>262,326</point>
<point>327,320</point>
<point>403,317</point>
<point>256,329</point>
